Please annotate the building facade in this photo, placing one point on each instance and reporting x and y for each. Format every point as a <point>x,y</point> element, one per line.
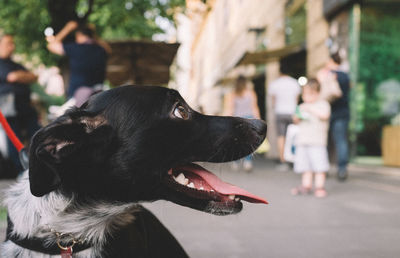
<point>225,38</point>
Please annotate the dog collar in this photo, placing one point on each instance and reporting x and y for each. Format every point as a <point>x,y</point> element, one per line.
<point>38,244</point>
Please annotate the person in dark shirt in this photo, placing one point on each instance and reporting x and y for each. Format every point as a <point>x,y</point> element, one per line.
<point>87,59</point>
<point>15,101</point>
<point>340,116</point>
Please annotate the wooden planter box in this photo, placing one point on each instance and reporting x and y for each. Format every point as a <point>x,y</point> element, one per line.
<point>391,146</point>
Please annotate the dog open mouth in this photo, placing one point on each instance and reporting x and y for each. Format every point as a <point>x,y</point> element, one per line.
<point>218,197</point>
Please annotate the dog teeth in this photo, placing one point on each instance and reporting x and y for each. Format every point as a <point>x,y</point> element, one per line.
<point>233,197</point>
<point>181,179</point>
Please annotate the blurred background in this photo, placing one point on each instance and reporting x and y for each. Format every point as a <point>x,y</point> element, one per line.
<point>200,47</point>
<point>226,38</point>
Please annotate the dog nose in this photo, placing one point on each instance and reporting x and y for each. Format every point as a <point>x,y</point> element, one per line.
<point>259,126</point>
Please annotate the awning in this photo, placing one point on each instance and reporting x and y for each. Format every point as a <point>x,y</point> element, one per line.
<point>140,62</point>
<point>331,8</point>
<point>263,57</point>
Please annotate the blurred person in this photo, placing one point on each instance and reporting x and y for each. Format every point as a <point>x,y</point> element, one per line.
<point>284,93</point>
<point>15,97</point>
<point>87,59</point>
<point>340,116</point>
<point>242,102</point>
<point>311,156</point>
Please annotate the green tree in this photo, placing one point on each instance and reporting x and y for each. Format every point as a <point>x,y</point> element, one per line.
<point>114,19</point>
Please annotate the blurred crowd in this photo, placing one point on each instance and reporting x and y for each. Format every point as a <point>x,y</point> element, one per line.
<point>27,97</point>
<point>311,119</point>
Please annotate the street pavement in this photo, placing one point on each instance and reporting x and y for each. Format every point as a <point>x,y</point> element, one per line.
<point>358,218</point>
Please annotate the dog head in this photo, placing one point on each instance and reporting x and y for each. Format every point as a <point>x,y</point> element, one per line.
<point>135,143</point>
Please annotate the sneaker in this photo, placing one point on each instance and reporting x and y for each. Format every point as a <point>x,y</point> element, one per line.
<point>342,175</point>
<point>247,165</point>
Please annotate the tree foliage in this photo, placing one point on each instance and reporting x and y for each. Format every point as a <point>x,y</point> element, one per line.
<point>26,20</point>
<point>114,19</point>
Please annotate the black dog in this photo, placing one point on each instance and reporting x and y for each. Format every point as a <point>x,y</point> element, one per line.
<point>91,167</point>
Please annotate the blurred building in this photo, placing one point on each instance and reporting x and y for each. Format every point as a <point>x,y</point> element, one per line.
<point>225,38</point>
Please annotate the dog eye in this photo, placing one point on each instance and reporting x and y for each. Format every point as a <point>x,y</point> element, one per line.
<point>180,112</point>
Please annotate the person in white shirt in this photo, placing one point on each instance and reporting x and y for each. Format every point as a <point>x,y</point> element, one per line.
<point>284,93</point>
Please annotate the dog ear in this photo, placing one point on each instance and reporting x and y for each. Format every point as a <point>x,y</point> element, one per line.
<point>43,177</point>
<point>54,144</point>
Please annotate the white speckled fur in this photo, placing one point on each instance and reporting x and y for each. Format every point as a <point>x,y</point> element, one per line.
<point>34,216</point>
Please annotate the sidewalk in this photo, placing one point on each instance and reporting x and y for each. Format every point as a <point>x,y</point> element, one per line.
<point>358,218</point>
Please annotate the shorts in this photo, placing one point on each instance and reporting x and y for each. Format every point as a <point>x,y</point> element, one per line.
<point>282,122</point>
<point>311,158</point>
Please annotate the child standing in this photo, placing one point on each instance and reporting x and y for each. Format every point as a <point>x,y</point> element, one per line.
<point>311,156</point>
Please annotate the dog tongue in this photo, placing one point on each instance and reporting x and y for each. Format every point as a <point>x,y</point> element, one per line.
<point>222,187</point>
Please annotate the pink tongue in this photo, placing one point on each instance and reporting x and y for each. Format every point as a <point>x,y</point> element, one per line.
<point>222,187</point>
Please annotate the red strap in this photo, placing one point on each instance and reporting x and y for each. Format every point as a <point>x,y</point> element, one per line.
<point>67,253</point>
<point>11,135</point>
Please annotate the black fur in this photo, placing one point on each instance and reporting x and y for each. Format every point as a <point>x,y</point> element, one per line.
<point>119,147</point>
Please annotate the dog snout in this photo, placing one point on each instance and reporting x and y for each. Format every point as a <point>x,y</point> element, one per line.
<point>239,126</point>
<point>256,125</point>
<point>259,126</point>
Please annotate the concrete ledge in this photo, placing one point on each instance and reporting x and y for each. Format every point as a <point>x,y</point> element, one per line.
<point>383,170</point>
